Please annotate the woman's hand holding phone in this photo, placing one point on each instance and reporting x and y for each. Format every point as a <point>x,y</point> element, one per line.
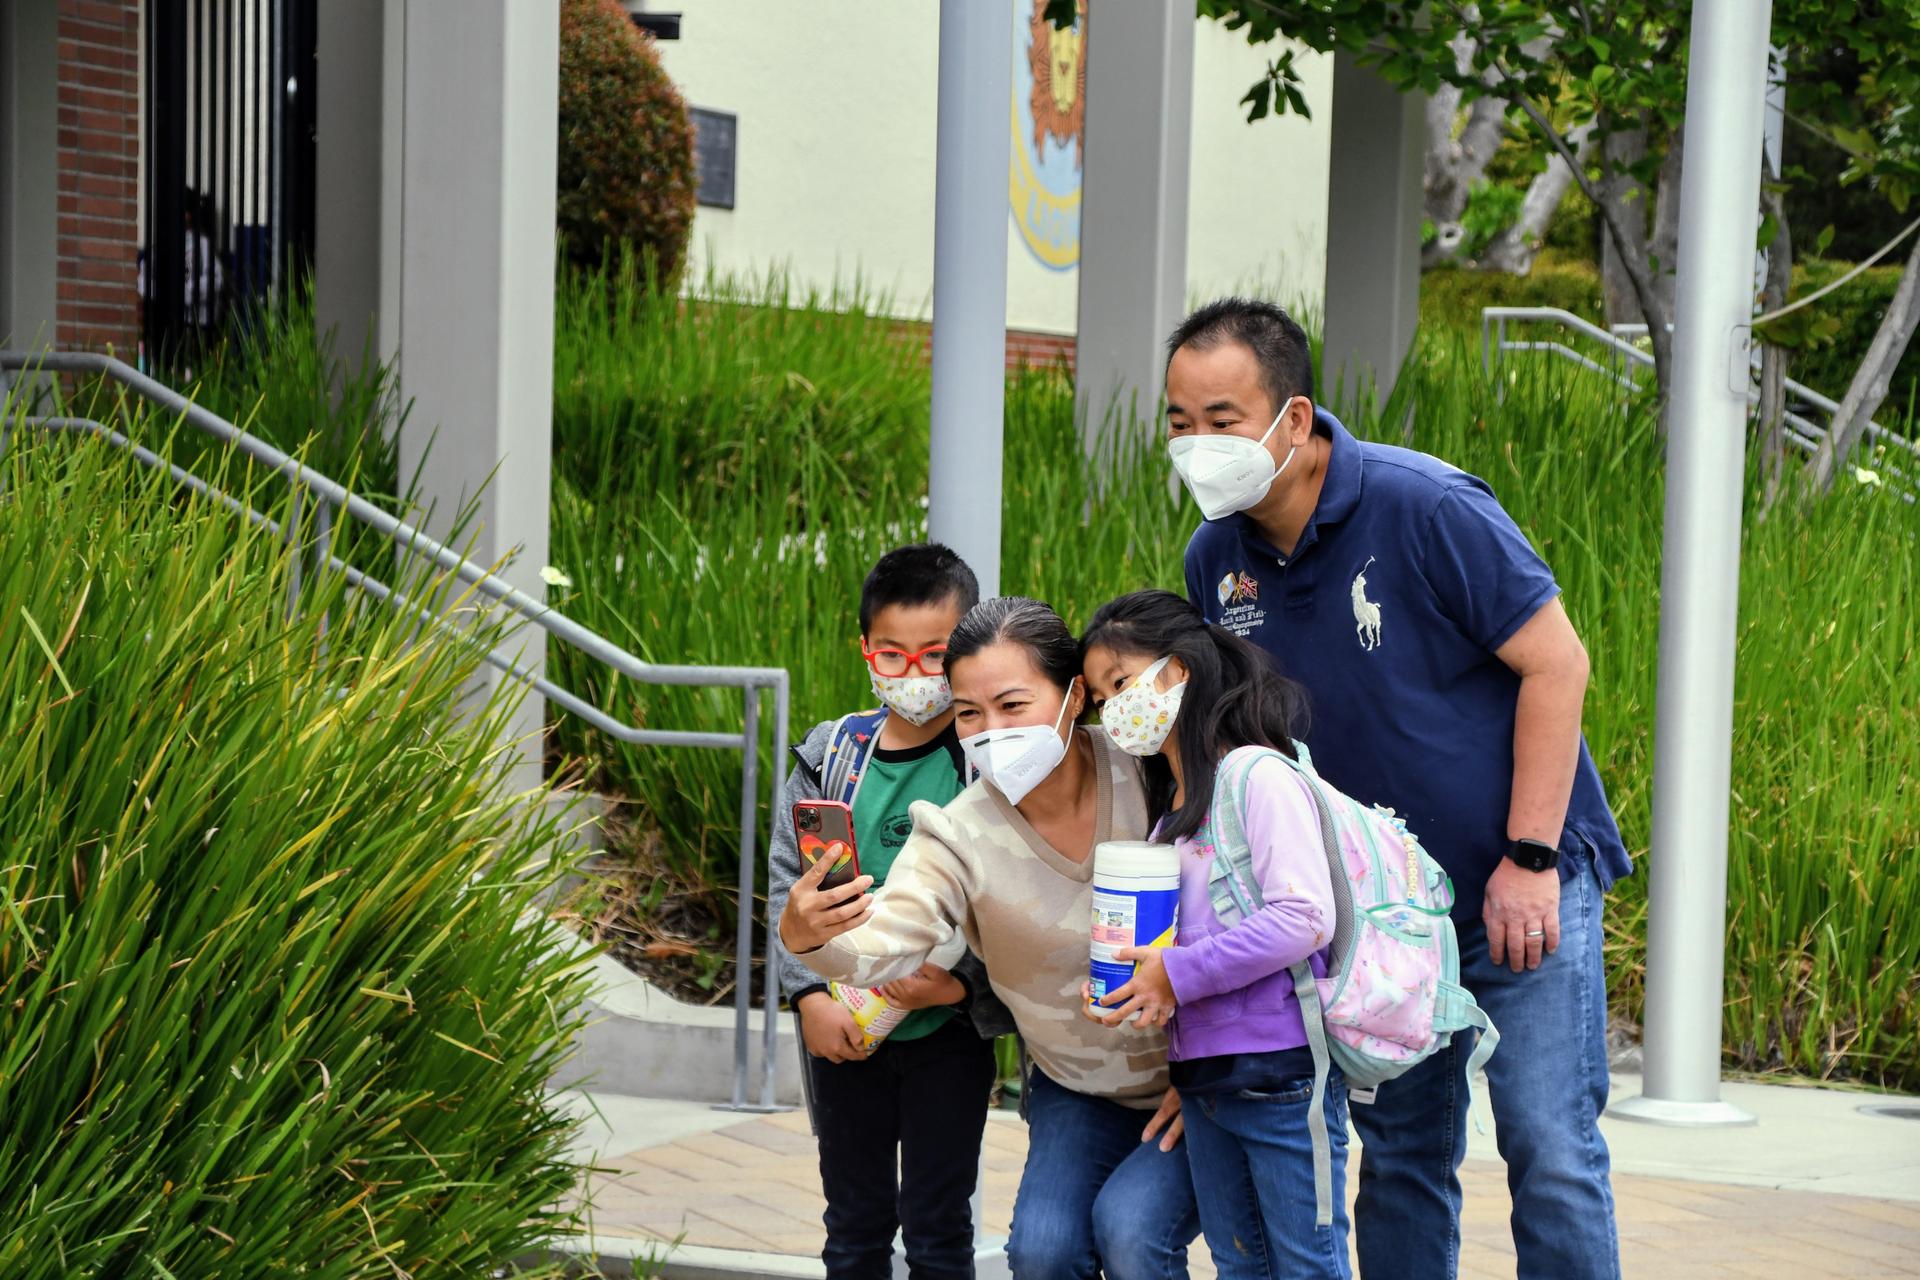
<point>815,916</point>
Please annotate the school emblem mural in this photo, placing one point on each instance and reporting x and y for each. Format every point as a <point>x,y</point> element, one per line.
<point>1049,132</point>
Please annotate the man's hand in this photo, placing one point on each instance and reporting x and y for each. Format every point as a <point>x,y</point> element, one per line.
<point>828,1030</point>
<point>814,917</point>
<point>1169,1115</point>
<point>1148,994</point>
<point>930,987</point>
<point>1522,914</point>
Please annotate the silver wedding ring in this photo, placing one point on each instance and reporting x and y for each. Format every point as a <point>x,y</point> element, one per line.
<point>1536,933</point>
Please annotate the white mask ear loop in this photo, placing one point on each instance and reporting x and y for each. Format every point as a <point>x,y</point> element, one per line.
<point>1291,448</point>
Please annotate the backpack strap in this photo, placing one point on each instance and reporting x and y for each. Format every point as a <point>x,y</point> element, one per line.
<point>848,752</point>
<point>1232,888</point>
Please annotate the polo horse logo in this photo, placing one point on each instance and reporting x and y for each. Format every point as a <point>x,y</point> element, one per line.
<point>1366,614</point>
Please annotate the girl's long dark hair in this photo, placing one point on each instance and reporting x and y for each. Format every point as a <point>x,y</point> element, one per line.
<point>1235,696</point>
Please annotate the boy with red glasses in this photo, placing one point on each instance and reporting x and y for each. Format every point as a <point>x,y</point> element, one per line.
<point>918,1100</point>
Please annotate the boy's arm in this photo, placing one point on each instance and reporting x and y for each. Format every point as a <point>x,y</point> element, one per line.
<point>783,855</point>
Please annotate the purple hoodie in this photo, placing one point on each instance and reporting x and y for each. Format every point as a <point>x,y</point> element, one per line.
<point>1234,992</point>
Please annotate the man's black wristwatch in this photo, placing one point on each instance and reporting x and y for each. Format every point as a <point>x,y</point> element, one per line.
<point>1533,855</point>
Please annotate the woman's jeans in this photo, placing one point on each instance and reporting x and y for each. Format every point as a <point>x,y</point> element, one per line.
<point>1094,1198</point>
<point>1252,1160</point>
<point>923,1104</point>
<point>1547,1084</point>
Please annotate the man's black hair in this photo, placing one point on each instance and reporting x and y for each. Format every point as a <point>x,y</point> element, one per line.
<point>1278,344</point>
<point>923,573</point>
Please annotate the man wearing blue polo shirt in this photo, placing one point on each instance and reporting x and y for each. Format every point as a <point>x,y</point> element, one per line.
<point>1445,681</point>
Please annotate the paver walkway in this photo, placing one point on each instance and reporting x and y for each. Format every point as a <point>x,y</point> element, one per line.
<point>754,1184</point>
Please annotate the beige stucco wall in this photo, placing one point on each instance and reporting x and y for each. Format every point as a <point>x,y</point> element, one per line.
<point>836,158</point>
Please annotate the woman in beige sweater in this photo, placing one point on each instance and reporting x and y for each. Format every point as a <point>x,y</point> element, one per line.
<point>1008,866</point>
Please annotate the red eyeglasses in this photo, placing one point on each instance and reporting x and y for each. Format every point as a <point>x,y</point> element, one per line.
<point>930,661</point>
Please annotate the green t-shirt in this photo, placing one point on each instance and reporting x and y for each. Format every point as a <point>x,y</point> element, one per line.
<point>881,825</point>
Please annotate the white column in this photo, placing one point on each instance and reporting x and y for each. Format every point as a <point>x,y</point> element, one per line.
<point>1700,572</point>
<point>1373,232</point>
<point>478,86</point>
<point>970,282</point>
<point>1133,224</point>
<point>29,167</point>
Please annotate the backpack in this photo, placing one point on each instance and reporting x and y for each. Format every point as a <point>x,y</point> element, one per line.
<point>1392,995</point>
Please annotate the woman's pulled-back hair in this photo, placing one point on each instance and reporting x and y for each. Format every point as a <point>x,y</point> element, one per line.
<point>1022,621</point>
<point>1234,697</point>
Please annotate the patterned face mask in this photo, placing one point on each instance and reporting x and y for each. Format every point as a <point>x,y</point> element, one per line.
<point>1140,716</point>
<point>915,699</point>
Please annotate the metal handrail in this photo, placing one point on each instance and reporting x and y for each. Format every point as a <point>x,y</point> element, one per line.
<point>332,497</point>
<point>1802,432</point>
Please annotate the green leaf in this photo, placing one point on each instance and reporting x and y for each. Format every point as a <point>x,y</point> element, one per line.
<point>1256,100</point>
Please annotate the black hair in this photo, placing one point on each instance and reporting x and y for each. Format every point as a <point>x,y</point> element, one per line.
<point>1022,621</point>
<point>1235,697</point>
<point>1278,344</point>
<point>923,573</point>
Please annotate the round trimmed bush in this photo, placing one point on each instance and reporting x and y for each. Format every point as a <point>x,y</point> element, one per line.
<point>626,143</point>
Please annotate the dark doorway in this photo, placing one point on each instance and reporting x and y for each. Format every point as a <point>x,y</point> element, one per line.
<point>230,166</point>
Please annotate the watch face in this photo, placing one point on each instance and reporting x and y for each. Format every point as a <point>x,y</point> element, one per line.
<point>1535,855</point>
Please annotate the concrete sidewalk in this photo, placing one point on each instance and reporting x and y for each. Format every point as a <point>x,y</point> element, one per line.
<point>1819,1188</point>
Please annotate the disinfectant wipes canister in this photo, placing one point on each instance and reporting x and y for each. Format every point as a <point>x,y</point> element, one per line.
<point>1136,889</point>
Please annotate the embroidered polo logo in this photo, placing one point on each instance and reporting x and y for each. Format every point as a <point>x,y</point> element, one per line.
<point>1366,614</point>
<point>1237,588</point>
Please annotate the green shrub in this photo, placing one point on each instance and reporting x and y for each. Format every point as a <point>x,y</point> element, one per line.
<point>275,997</point>
<point>1859,305</point>
<point>626,175</point>
<point>1452,297</point>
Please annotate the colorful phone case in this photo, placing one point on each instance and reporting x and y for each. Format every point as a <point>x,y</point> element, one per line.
<point>834,839</point>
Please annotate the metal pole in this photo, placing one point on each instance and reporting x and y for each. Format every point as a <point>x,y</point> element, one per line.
<point>297,557</point>
<point>743,940</point>
<point>770,1015</point>
<point>1776,137</point>
<point>970,282</point>
<point>1700,574</point>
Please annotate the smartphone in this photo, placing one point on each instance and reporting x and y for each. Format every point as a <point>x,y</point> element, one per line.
<point>825,827</point>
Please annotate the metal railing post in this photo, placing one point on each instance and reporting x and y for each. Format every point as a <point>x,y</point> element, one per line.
<point>743,952</point>
<point>322,551</point>
<point>770,1027</point>
<point>297,560</point>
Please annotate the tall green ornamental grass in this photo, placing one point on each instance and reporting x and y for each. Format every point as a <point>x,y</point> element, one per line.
<point>276,997</point>
<point>728,469</point>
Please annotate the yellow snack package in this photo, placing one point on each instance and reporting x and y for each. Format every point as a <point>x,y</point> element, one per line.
<point>871,1013</point>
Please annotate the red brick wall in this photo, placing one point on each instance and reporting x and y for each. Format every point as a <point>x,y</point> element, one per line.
<point>1024,347</point>
<point>99,146</point>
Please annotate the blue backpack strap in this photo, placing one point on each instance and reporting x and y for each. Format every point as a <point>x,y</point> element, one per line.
<point>850,748</point>
<point>1232,887</point>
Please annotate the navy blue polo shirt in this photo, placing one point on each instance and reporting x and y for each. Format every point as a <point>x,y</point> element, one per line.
<point>1407,578</point>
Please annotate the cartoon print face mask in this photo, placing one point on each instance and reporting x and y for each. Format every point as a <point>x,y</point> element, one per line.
<point>1139,717</point>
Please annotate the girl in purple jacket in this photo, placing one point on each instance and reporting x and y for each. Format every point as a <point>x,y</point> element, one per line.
<point>1186,696</point>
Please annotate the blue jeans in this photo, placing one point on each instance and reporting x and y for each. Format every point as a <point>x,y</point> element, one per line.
<point>1548,1086</point>
<point>1253,1172</point>
<point>1094,1198</point>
